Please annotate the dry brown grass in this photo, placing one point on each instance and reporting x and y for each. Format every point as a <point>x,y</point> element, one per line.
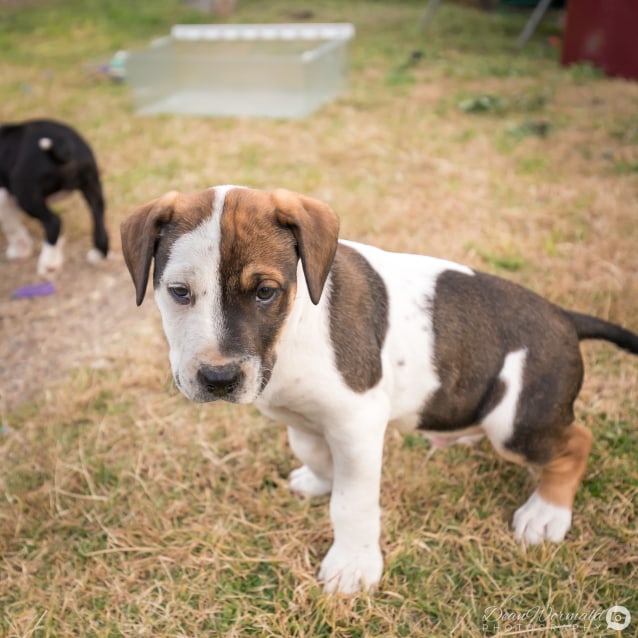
<point>127,511</point>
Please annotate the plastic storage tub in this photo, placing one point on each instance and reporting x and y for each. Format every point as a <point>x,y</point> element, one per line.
<point>261,70</point>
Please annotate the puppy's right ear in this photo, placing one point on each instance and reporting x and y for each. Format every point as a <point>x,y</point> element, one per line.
<point>140,232</point>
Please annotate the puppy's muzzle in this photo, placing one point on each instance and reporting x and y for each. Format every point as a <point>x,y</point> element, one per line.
<point>220,382</point>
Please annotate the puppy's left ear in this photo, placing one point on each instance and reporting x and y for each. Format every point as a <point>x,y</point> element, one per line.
<point>316,229</point>
<point>140,232</point>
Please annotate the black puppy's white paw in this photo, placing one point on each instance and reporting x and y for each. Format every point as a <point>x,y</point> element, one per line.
<point>95,257</point>
<point>20,246</point>
<point>51,259</point>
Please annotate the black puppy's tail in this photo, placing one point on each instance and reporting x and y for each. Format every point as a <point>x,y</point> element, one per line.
<point>588,327</point>
<point>57,150</point>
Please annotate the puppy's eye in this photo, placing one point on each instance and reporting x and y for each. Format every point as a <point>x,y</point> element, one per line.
<point>181,294</point>
<point>266,293</point>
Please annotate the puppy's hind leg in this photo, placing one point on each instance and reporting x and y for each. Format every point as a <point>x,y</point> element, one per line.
<point>314,477</point>
<point>547,514</point>
<point>52,256</point>
<point>536,430</point>
<point>19,243</point>
<point>92,193</point>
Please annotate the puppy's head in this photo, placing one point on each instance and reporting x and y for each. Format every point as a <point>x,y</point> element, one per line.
<point>225,279</point>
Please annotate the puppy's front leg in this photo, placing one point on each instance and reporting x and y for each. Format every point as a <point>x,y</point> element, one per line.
<point>354,561</point>
<point>314,477</point>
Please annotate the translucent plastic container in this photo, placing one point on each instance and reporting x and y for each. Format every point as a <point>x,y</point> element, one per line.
<point>254,70</point>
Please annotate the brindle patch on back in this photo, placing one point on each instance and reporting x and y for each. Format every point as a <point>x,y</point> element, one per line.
<point>478,320</point>
<point>358,318</point>
<point>467,367</point>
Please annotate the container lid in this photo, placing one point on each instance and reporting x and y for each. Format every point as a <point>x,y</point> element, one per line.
<point>307,31</point>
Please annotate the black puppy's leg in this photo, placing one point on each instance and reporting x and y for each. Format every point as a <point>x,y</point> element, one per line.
<point>19,243</point>
<point>51,257</point>
<point>92,192</point>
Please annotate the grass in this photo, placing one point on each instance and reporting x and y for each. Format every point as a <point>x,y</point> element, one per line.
<point>127,511</point>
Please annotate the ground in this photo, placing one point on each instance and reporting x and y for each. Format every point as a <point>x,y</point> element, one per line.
<point>44,338</point>
<point>126,510</point>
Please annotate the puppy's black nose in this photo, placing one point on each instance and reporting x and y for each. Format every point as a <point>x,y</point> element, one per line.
<point>220,381</point>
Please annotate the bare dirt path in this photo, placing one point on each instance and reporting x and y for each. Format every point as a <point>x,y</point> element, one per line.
<point>91,316</point>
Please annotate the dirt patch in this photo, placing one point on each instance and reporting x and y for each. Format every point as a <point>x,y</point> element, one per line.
<point>91,314</point>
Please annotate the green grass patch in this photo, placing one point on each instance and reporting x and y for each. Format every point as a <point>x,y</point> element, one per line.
<point>507,261</point>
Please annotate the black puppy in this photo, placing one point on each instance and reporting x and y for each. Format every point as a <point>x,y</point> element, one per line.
<point>41,160</point>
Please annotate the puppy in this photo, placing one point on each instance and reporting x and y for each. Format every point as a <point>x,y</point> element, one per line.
<point>261,303</point>
<point>40,161</point>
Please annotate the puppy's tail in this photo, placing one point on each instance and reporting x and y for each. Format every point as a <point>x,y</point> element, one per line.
<point>57,150</point>
<point>588,327</point>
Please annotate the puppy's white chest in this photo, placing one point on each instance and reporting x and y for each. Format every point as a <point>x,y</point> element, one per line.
<point>305,389</point>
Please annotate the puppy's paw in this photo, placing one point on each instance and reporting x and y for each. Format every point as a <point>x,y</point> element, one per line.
<point>20,246</point>
<point>95,257</point>
<point>539,520</point>
<point>345,571</point>
<point>51,259</point>
<point>305,482</point>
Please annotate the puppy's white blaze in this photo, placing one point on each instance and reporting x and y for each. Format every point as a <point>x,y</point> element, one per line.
<point>194,262</point>
<point>499,423</point>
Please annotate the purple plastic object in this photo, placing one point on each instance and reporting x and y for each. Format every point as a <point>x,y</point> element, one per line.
<point>34,290</point>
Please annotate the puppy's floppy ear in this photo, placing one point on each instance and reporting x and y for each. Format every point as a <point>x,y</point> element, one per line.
<point>316,229</point>
<point>140,232</point>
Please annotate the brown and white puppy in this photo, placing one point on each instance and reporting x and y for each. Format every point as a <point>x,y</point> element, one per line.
<point>261,303</point>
